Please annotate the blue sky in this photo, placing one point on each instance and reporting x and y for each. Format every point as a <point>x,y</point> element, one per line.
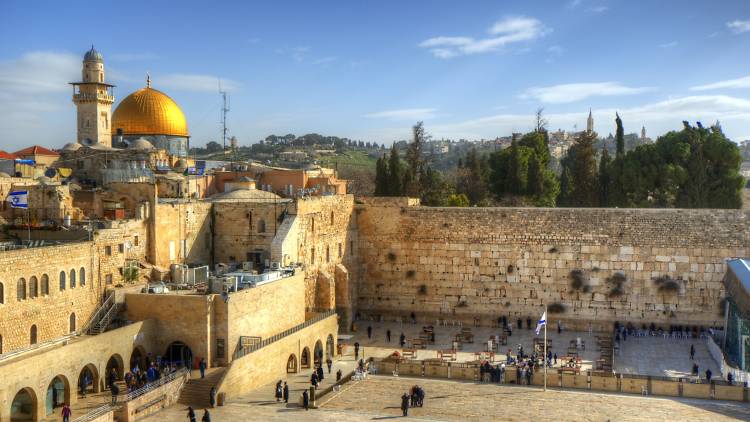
<point>369,70</point>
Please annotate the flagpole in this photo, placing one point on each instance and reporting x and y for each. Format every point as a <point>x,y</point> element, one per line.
<point>28,223</point>
<point>544,359</point>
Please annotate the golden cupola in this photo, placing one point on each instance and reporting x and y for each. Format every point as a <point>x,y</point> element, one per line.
<point>149,112</point>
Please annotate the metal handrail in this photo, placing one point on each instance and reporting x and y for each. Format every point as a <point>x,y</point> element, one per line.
<point>101,410</point>
<point>158,383</point>
<point>95,317</point>
<point>243,351</point>
<point>37,346</point>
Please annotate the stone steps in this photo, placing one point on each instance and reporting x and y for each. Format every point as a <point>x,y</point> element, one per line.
<point>196,391</point>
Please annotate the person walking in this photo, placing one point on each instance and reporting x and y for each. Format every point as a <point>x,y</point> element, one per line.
<point>405,404</point>
<point>388,335</point>
<point>202,367</point>
<point>321,373</point>
<point>708,375</point>
<point>402,340</point>
<point>369,331</point>
<point>191,414</point>
<point>329,364</point>
<point>66,413</point>
<point>692,352</point>
<point>112,377</point>
<point>314,380</point>
<point>730,378</point>
<point>278,391</point>
<point>286,392</point>
<point>356,350</point>
<point>212,397</point>
<point>115,391</point>
<point>339,375</point>
<point>306,400</point>
<point>206,417</point>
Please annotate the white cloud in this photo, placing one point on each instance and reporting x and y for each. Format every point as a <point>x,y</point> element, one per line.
<point>668,44</point>
<point>568,93</point>
<point>504,32</point>
<point>573,4</point>
<point>658,117</point>
<point>189,82</point>
<point>131,57</point>
<point>404,114</point>
<point>738,26</point>
<point>731,83</point>
<point>598,9</point>
<point>324,60</point>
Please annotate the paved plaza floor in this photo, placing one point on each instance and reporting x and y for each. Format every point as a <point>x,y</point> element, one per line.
<point>655,356</point>
<point>378,398</point>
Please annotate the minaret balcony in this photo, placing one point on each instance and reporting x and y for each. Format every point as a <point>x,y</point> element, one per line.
<point>94,97</point>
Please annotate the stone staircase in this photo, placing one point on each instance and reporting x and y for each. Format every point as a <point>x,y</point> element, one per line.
<point>197,390</point>
<point>103,316</point>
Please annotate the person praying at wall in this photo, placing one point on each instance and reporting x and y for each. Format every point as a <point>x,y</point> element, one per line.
<point>692,352</point>
<point>369,331</point>
<point>388,335</point>
<point>402,340</point>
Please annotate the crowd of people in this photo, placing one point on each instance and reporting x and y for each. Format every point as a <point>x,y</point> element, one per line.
<point>412,398</point>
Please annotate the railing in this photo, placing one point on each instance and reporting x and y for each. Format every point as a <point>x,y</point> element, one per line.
<point>99,411</point>
<point>240,352</point>
<point>41,345</point>
<point>96,316</point>
<point>158,383</point>
<point>739,375</point>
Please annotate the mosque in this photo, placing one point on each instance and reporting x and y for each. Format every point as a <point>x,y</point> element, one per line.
<point>146,119</point>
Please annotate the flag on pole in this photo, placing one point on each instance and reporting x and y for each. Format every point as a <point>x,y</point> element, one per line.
<point>18,199</point>
<point>542,322</point>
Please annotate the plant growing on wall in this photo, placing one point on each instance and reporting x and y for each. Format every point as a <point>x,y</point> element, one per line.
<point>666,284</point>
<point>130,274</point>
<point>578,280</point>
<point>422,289</point>
<point>556,308</point>
<point>616,284</point>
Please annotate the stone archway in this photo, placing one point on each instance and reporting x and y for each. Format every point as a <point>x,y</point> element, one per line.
<point>180,354</point>
<point>58,393</point>
<point>318,353</point>
<point>115,369</point>
<point>139,358</point>
<point>305,358</point>
<point>291,364</point>
<point>88,380</point>
<point>23,408</point>
<point>329,347</point>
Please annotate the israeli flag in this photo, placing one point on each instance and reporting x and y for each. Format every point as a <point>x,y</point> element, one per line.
<point>542,322</point>
<point>18,199</point>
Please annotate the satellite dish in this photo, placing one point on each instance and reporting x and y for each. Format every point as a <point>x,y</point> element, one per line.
<point>128,245</point>
<point>50,172</point>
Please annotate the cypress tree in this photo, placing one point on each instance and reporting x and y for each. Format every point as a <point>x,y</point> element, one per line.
<point>604,179</point>
<point>395,174</point>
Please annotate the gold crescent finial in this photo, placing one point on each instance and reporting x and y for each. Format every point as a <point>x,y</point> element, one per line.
<point>148,80</point>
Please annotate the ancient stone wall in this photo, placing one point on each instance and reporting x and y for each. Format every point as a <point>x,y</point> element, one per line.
<point>181,233</point>
<point>245,230</point>
<point>592,265</point>
<point>326,237</point>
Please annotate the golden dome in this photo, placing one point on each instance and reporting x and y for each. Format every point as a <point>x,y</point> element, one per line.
<point>149,112</point>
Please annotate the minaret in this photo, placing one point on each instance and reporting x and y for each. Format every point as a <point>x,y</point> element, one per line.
<point>93,98</point>
<point>643,133</point>
<point>590,123</point>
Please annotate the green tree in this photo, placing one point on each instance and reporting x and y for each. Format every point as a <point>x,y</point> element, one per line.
<point>472,178</point>
<point>381,177</point>
<point>619,136</point>
<point>581,163</point>
<point>395,174</point>
<point>414,163</point>
<point>458,200</point>
<point>435,190</point>
<point>604,178</point>
<point>535,177</point>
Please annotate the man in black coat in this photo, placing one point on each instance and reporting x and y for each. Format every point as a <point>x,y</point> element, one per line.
<point>405,404</point>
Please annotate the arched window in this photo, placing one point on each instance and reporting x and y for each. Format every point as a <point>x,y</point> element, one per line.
<point>73,322</point>
<point>21,289</point>
<point>32,335</point>
<point>45,284</point>
<point>62,280</point>
<point>2,294</point>
<point>72,278</point>
<point>261,226</point>
<point>82,274</point>
<point>33,287</point>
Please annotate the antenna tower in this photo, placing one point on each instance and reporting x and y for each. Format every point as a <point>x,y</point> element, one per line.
<point>224,111</point>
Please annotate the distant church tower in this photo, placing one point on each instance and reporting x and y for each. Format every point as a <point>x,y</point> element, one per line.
<point>590,123</point>
<point>643,133</point>
<point>93,99</point>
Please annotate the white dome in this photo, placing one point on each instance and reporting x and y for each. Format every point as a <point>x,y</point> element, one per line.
<point>141,144</point>
<point>72,146</point>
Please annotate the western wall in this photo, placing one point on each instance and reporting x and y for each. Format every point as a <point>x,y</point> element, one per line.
<point>590,266</point>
